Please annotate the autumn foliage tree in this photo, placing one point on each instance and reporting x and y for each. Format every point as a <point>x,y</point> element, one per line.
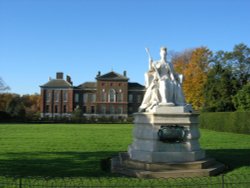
<point>32,105</point>
<point>19,107</point>
<point>193,64</point>
<point>181,60</point>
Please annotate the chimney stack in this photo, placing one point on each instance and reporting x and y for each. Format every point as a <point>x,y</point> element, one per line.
<point>125,73</point>
<point>68,78</point>
<point>59,75</point>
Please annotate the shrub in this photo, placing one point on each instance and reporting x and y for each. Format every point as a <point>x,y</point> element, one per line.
<point>237,122</point>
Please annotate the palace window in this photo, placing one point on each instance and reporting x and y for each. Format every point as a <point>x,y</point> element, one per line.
<point>64,109</point>
<point>65,96</point>
<point>56,109</point>
<point>120,96</point>
<point>92,97</point>
<point>47,108</point>
<point>103,109</point>
<point>48,96</point>
<point>112,109</point>
<point>130,109</point>
<point>84,110</point>
<point>139,99</point>
<point>130,98</point>
<point>85,97</point>
<point>76,97</point>
<point>103,97</point>
<point>56,96</point>
<point>92,109</point>
<point>112,95</point>
<point>119,110</point>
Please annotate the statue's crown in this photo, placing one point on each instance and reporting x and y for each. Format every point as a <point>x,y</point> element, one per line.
<point>163,49</point>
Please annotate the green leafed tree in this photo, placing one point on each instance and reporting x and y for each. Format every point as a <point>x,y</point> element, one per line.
<point>77,114</point>
<point>240,60</point>
<point>219,89</point>
<point>242,99</point>
<point>230,72</point>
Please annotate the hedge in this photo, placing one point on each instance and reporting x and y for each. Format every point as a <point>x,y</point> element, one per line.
<point>236,122</point>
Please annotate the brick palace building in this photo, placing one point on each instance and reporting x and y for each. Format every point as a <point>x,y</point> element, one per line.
<point>111,95</point>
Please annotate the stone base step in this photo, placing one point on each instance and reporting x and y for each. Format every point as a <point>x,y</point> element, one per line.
<point>123,165</point>
<point>139,165</point>
<point>171,173</point>
<point>214,170</point>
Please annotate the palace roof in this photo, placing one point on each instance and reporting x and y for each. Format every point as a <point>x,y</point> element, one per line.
<point>112,76</point>
<point>57,83</point>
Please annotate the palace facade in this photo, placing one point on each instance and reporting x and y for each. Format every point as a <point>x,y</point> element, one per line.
<point>110,95</point>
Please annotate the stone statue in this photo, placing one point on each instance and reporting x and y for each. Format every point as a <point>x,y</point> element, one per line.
<point>163,84</point>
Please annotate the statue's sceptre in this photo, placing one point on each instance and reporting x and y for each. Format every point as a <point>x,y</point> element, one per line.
<point>152,64</point>
<point>147,51</point>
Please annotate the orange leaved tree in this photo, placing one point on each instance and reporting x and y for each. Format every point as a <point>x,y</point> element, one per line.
<point>193,64</point>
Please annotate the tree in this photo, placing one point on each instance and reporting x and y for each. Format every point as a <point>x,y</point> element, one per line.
<point>196,77</point>
<point>16,108</point>
<point>181,60</point>
<point>193,64</point>
<point>77,114</point>
<point>230,72</point>
<point>5,99</point>
<point>241,100</point>
<point>3,86</point>
<point>240,61</point>
<point>32,105</point>
<point>219,89</point>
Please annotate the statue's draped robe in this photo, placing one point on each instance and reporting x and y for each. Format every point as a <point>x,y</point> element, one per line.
<point>163,87</point>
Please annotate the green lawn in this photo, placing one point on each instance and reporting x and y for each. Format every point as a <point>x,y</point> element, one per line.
<point>59,150</point>
<point>71,150</point>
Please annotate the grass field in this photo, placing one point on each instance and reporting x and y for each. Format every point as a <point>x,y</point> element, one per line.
<point>71,150</point>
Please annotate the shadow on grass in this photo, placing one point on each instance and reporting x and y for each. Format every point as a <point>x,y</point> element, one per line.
<point>88,164</point>
<point>232,158</point>
<point>55,164</point>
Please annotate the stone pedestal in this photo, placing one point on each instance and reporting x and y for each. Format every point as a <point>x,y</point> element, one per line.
<point>147,149</point>
<point>146,145</point>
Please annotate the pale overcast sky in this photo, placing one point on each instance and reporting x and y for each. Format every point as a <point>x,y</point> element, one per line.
<point>80,37</point>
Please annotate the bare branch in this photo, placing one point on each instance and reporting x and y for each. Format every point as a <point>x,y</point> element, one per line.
<point>3,86</point>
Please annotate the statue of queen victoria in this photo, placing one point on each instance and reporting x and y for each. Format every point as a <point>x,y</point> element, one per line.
<point>163,84</point>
